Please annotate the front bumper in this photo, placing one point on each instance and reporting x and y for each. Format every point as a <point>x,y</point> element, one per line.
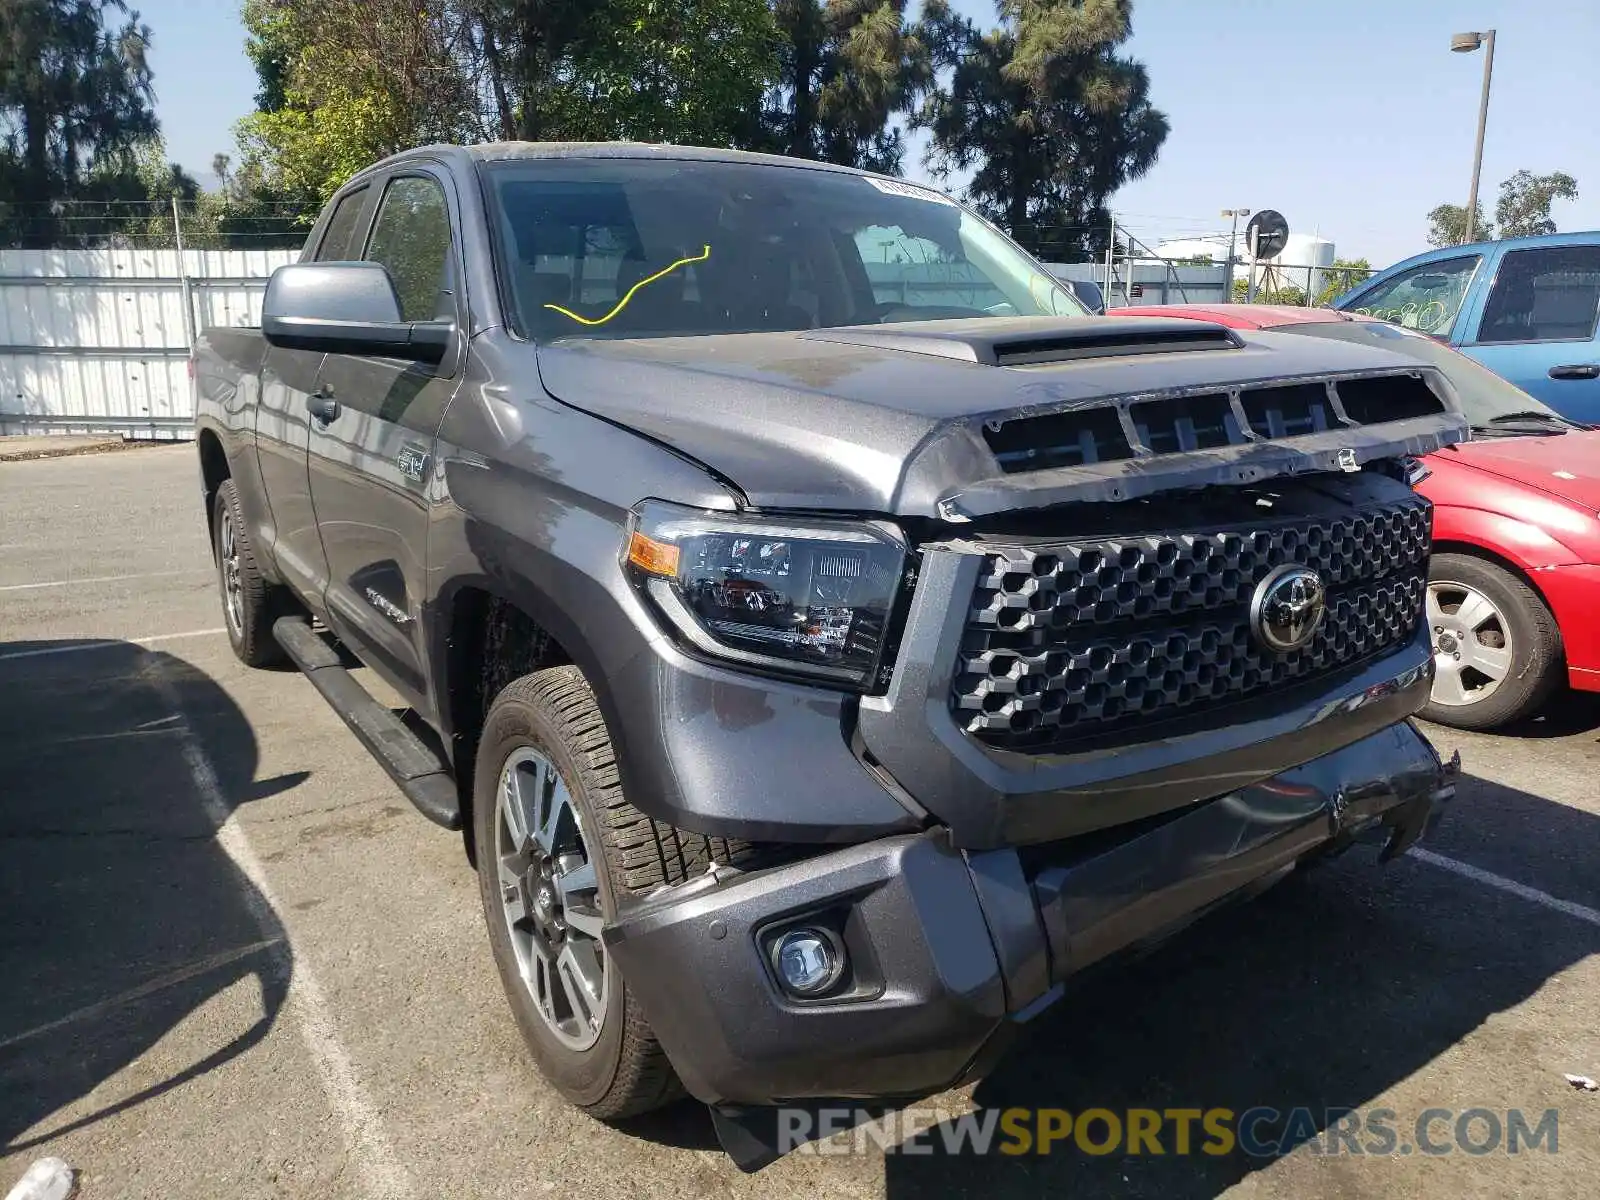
<point>951,949</point>
<point>1572,591</point>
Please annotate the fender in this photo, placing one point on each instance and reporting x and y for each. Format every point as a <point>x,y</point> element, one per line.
<point>1520,543</point>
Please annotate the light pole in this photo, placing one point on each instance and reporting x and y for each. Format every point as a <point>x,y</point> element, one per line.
<point>1233,233</point>
<point>1466,43</point>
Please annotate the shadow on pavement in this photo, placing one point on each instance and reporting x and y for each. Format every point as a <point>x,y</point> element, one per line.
<point>1323,993</point>
<point>122,913</point>
<point>1566,714</point>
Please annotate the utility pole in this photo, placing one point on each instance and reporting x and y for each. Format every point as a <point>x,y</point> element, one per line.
<point>1466,43</point>
<point>1233,234</point>
<point>1111,253</point>
<point>183,277</point>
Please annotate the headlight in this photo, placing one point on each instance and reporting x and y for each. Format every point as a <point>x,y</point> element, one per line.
<point>810,598</point>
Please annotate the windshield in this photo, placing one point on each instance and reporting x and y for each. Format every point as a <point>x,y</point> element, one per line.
<point>629,247</point>
<point>1483,394</point>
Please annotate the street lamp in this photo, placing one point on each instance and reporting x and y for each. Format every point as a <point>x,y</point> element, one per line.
<point>1233,233</point>
<point>1466,43</point>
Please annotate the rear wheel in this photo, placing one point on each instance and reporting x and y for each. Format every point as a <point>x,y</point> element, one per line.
<point>1496,648</point>
<point>250,604</point>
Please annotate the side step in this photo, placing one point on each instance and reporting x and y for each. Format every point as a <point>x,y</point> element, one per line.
<point>414,767</point>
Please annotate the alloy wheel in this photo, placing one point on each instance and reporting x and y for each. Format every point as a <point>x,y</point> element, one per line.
<point>232,581</point>
<point>1472,648</point>
<point>550,899</point>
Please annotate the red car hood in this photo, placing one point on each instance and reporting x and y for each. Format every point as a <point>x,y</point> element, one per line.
<point>1567,466</point>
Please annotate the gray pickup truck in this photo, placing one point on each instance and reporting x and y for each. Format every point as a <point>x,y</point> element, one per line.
<point>827,637</point>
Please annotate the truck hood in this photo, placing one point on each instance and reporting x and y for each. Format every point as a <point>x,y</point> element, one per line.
<point>1567,466</point>
<point>916,419</point>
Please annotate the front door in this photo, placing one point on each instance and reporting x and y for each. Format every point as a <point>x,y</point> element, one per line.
<point>1537,327</point>
<point>289,378</point>
<point>372,459</point>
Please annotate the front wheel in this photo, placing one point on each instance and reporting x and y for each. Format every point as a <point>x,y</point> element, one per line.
<point>552,828</point>
<point>1496,648</point>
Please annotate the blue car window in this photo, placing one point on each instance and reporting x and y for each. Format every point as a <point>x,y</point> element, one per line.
<point>1425,298</point>
<point>1551,294</point>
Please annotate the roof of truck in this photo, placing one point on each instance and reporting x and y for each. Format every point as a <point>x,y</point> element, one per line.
<point>511,151</point>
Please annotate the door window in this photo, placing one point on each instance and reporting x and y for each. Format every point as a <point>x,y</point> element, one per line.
<point>1545,295</point>
<point>337,241</point>
<point>411,237</point>
<point>1425,298</point>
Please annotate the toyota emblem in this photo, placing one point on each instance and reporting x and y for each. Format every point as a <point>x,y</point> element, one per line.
<point>1287,609</point>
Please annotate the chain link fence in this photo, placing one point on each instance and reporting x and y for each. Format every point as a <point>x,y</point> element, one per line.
<point>206,223</point>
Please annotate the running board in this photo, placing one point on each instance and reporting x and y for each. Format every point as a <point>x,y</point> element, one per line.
<point>414,767</point>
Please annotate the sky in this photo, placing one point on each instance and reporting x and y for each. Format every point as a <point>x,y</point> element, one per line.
<point>1350,117</point>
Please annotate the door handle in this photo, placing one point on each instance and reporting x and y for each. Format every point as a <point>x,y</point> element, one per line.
<point>322,406</point>
<point>1575,371</point>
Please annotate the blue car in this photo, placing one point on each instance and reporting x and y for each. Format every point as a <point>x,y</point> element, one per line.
<point>1526,308</point>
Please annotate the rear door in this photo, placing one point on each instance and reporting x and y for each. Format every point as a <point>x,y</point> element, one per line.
<point>1537,326</point>
<point>283,425</point>
<point>371,464</point>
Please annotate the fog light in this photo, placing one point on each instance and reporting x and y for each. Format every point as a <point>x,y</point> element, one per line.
<point>809,961</point>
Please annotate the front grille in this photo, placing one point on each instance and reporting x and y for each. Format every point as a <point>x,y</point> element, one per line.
<point>1203,420</point>
<point>1070,639</point>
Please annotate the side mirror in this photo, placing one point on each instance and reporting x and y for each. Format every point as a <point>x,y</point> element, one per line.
<point>346,308</point>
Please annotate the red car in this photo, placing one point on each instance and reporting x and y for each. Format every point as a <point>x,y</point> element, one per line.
<point>1514,590</point>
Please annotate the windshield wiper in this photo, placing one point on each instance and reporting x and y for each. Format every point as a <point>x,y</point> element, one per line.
<point>1532,414</point>
<point>1532,423</point>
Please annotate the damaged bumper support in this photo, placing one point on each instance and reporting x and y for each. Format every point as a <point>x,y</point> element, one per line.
<point>945,951</point>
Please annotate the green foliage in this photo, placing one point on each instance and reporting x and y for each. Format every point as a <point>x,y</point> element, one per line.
<point>846,67</point>
<point>1281,295</point>
<point>75,113</point>
<point>1447,225</point>
<point>1523,209</point>
<point>343,84</point>
<point>1050,120</point>
<point>686,71</point>
<point>347,82</point>
<point>1341,277</point>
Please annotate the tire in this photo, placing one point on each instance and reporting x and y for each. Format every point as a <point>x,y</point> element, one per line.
<point>552,715</point>
<point>1481,614</point>
<point>250,604</point>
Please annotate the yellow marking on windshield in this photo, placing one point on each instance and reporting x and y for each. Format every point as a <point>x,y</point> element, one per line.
<point>704,254</point>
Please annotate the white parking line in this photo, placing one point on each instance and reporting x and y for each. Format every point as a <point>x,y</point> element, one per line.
<point>55,583</point>
<point>365,1138</point>
<point>1511,886</point>
<point>106,643</point>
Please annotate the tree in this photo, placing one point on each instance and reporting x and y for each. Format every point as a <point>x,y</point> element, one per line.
<point>1447,225</point>
<point>1341,277</point>
<point>845,68</point>
<point>687,71</point>
<point>1523,209</point>
<point>1050,120</point>
<point>75,102</point>
<point>344,83</point>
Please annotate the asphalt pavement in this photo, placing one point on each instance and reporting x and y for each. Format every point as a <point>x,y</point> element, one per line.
<point>235,963</point>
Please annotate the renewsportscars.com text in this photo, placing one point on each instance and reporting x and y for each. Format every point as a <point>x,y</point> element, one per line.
<point>1260,1132</point>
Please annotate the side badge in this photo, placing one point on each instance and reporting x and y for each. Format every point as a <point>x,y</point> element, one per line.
<point>413,461</point>
<point>1347,460</point>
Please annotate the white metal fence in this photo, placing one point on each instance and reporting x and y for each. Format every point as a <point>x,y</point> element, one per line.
<point>97,341</point>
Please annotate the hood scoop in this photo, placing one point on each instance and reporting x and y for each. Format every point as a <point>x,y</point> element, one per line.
<point>1033,341</point>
